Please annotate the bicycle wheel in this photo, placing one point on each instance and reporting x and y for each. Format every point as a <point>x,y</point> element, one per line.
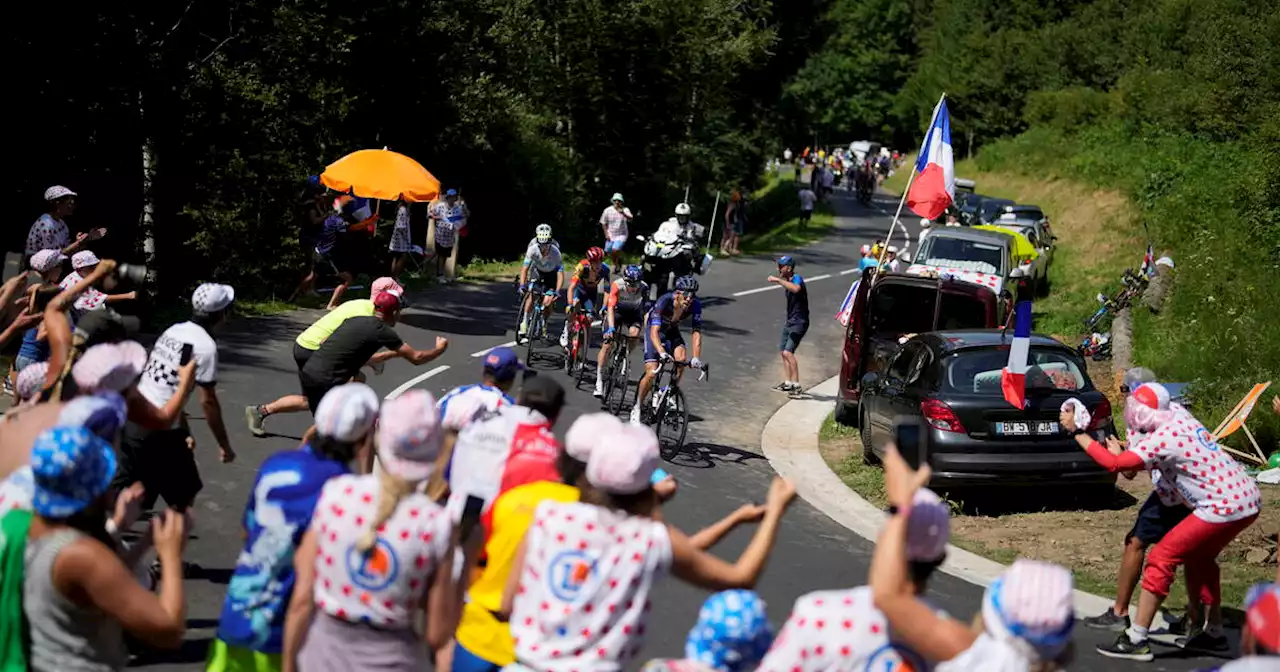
<point>534,322</point>
<point>584,348</point>
<point>618,381</point>
<point>672,415</point>
<point>571,352</point>
<point>520,317</point>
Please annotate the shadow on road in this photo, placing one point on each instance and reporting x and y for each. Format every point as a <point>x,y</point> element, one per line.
<point>1006,501</point>
<point>700,455</point>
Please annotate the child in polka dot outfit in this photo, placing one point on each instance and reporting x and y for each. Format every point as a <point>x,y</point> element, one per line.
<point>586,569</point>
<point>1223,499</point>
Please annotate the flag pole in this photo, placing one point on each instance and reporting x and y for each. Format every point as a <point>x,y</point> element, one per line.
<point>712,227</point>
<point>911,178</point>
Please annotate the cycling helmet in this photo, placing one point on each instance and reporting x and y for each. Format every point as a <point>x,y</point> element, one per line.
<point>632,274</point>
<point>595,254</point>
<point>687,283</point>
<point>543,234</point>
<point>684,210</point>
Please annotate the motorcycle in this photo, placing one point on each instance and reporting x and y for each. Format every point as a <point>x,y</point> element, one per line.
<point>669,253</point>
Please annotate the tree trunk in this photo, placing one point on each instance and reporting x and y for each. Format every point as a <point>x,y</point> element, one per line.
<point>146,223</point>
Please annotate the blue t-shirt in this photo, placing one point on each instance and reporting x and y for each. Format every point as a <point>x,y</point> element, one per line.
<point>33,348</point>
<point>867,262</point>
<point>661,313</point>
<point>278,514</point>
<point>334,226</point>
<point>798,304</point>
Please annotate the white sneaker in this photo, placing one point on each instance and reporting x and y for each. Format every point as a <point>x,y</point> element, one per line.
<point>564,338</point>
<point>635,415</point>
<point>599,388</point>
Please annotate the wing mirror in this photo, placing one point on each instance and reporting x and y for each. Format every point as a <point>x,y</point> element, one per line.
<point>869,379</point>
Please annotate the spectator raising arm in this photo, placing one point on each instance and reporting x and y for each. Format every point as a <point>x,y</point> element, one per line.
<point>420,357</point>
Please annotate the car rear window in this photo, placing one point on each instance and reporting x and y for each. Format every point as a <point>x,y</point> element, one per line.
<point>978,371</point>
<point>963,254</point>
<point>908,309</point>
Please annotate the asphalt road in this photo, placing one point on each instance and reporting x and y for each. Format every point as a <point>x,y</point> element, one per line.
<point>721,466</point>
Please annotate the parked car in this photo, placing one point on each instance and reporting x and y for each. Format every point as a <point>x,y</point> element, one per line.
<point>1036,269</point>
<point>891,306</point>
<point>1045,242</point>
<point>992,207</point>
<point>1024,211</point>
<point>968,204</point>
<point>982,256</point>
<point>950,381</point>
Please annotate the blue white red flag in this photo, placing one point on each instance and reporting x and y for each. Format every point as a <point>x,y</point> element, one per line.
<point>846,308</point>
<point>934,188</point>
<point>1013,380</point>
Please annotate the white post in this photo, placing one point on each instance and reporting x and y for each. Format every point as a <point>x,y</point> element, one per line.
<point>712,227</point>
<point>903,201</point>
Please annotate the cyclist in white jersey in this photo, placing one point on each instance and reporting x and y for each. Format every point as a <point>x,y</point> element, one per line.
<point>541,261</point>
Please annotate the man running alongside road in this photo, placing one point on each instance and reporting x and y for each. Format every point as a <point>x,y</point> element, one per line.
<point>614,221</point>
<point>311,339</point>
<point>793,330</point>
<point>663,338</point>
<point>626,304</point>
<point>541,260</point>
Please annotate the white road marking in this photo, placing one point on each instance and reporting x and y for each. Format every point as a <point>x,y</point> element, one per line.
<point>482,353</point>
<point>757,290</point>
<point>409,384</point>
<point>818,277</point>
<point>852,270</point>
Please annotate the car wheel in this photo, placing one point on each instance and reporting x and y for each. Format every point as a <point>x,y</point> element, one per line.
<point>846,413</point>
<point>1042,289</point>
<point>869,456</point>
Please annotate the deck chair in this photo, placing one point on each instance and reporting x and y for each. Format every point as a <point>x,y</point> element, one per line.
<point>1235,421</point>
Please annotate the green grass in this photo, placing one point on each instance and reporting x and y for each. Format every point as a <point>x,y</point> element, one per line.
<point>776,205</point>
<point>866,480</point>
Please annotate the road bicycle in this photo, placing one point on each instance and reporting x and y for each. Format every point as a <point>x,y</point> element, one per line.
<point>668,408</point>
<point>537,316</point>
<point>1133,285</point>
<point>617,374</point>
<point>579,343</point>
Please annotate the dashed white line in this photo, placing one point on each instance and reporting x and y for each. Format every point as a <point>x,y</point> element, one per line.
<point>851,270</point>
<point>819,277</point>
<point>757,290</point>
<point>409,384</point>
<point>486,351</point>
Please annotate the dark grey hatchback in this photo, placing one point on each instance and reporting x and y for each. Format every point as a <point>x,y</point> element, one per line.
<point>950,382</point>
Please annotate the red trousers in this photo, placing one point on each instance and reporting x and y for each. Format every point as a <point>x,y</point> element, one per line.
<point>1195,544</point>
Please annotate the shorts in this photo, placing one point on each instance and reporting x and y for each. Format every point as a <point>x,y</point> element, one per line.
<point>584,296</point>
<point>333,262</point>
<point>615,244</point>
<point>301,355</point>
<point>20,362</point>
<point>224,657</point>
<point>805,215</point>
<point>314,390</point>
<point>737,226</point>
<point>1155,519</point>
<point>791,337</point>
<point>545,278</point>
<point>162,462</point>
<point>465,661</point>
<point>442,251</point>
<point>628,317</point>
<point>671,339</point>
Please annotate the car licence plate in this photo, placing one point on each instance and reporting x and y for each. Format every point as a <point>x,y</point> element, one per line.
<point>1026,428</point>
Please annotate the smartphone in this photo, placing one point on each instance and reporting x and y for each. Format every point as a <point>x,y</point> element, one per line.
<point>911,437</point>
<point>188,350</point>
<point>471,511</point>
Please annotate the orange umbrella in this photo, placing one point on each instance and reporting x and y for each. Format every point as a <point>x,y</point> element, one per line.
<point>381,174</point>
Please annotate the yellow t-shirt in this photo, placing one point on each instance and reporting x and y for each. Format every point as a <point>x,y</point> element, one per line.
<point>324,327</point>
<point>479,631</point>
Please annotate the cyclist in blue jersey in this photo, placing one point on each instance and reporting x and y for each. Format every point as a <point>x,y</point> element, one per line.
<point>542,265</point>
<point>662,338</point>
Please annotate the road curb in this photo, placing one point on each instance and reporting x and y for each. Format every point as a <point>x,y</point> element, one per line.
<point>790,443</point>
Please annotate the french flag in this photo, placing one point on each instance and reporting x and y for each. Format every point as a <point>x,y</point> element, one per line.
<point>934,187</point>
<point>846,308</point>
<point>1013,380</point>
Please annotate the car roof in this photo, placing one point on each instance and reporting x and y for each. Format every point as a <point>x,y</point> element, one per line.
<point>1023,207</point>
<point>966,339</point>
<point>967,233</point>
<point>948,283</point>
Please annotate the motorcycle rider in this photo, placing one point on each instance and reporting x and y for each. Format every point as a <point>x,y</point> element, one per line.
<point>692,232</point>
<point>541,260</point>
<point>626,303</point>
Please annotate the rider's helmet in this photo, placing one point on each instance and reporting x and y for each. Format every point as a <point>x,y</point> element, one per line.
<point>595,254</point>
<point>682,212</point>
<point>543,234</point>
<point>687,283</point>
<point>632,275</point>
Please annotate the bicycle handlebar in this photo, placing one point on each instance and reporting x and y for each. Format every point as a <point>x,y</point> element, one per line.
<point>705,368</point>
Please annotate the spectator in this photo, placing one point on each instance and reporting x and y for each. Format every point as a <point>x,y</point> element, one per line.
<point>286,490</point>
<point>786,155</point>
<point>447,217</point>
<point>83,263</point>
<point>333,246</point>
<point>78,596</point>
<point>735,222</point>
<point>796,324</point>
<point>50,232</point>
<point>953,219</point>
<point>614,221</point>
<point>310,340</point>
<point>315,205</point>
<point>401,240</point>
<point>868,260</point>
<point>1260,639</point>
<point>378,553</point>
<point>807,199</point>
<point>732,635</point>
<point>598,610</point>
<point>48,263</point>
<point>1026,619</point>
<point>891,260</point>
<point>163,460</point>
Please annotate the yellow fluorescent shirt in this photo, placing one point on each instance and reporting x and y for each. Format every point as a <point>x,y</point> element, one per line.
<point>324,327</point>
<point>479,631</point>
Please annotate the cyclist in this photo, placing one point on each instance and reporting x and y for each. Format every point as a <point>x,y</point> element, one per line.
<point>626,304</point>
<point>584,287</point>
<point>663,338</point>
<point>541,260</point>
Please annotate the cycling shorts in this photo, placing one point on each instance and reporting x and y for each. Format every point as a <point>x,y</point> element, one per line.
<point>584,295</point>
<point>546,279</point>
<point>671,339</point>
<point>626,316</point>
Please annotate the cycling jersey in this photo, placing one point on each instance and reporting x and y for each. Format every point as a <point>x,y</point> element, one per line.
<point>548,263</point>
<point>459,405</point>
<point>500,449</point>
<point>626,300</point>
<point>663,314</point>
<point>590,281</point>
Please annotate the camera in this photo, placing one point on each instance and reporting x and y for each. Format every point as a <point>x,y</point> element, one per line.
<point>134,273</point>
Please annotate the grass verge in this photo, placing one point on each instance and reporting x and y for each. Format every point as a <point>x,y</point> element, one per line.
<point>1056,527</point>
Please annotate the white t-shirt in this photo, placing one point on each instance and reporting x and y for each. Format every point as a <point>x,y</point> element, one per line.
<point>989,655</point>
<point>1207,480</point>
<point>89,299</point>
<point>482,453</point>
<point>807,199</point>
<point>385,586</point>
<point>838,631</point>
<point>584,595</point>
<point>159,380</point>
<point>459,405</point>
